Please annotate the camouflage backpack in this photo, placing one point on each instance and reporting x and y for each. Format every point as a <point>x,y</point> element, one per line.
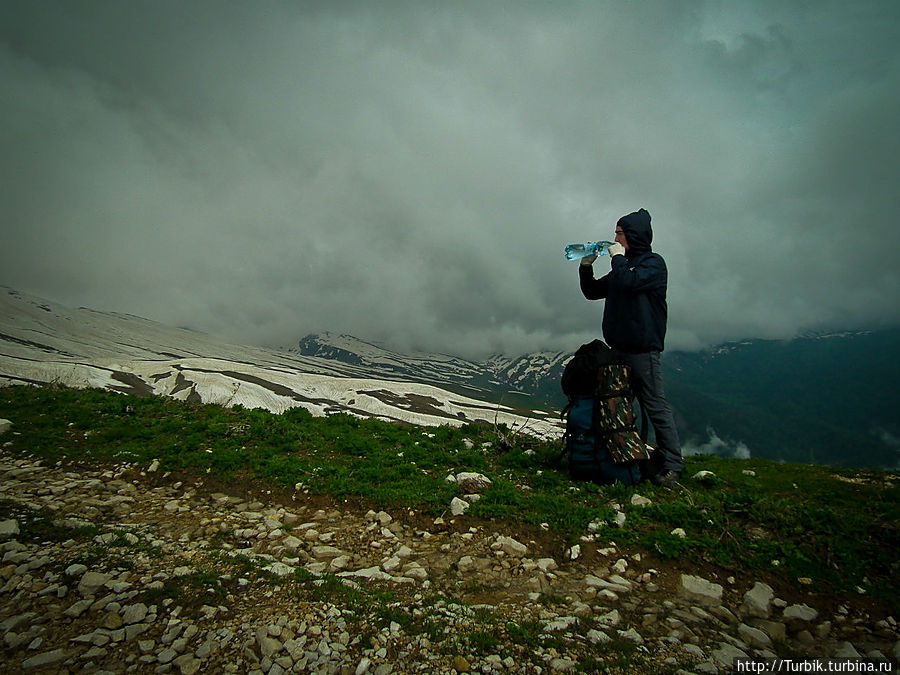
<point>614,424</point>
<point>601,439</point>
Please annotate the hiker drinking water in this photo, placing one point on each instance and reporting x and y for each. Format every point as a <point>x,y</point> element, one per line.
<point>634,324</point>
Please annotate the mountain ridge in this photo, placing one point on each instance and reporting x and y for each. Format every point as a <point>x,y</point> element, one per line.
<point>822,397</point>
<point>44,343</point>
<point>828,398</point>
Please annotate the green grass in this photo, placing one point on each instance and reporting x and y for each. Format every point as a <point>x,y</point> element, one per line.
<point>836,527</point>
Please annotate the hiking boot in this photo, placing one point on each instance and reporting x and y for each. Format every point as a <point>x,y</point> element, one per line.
<point>666,478</point>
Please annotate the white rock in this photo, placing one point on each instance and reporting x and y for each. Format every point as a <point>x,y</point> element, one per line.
<point>596,525</point>
<point>466,564</point>
<point>699,590</point>
<point>292,542</point>
<point>8,528</point>
<point>91,582</point>
<point>560,623</point>
<point>754,636</point>
<point>342,562</point>
<point>326,552</point>
<point>188,664</point>
<point>458,506</point>
<point>279,569</point>
<point>800,613</point>
<point>546,564</point>
<point>631,634</point>
<point>75,570</point>
<point>135,613</point>
<point>598,637</point>
<point>705,476</point>
<point>473,482</point>
<point>510,546</point>
<point>640,500</point>
<point>611,618</point>
<point>415,571</point>
<point>726,654</point>
<point>846,651</point>
<point>390,565</point>
<point>562,665</point>
<point>758,601</point>
<point>694,650</point>
<point>5,425</point>
<point>369,573</point>
<point>44,660</point>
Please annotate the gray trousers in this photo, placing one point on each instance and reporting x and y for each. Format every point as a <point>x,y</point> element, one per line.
<point>646,381</point>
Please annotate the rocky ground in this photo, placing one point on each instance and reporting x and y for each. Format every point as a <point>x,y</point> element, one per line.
<point>125,569</point>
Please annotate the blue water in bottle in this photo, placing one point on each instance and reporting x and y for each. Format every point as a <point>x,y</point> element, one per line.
<point>579,251</point>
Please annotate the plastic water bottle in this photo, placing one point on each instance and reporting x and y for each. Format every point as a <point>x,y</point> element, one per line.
<point>579,251</point>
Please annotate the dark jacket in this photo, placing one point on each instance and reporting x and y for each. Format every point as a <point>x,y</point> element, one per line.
<point>635,312</point>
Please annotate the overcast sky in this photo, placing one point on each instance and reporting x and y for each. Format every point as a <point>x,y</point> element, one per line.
<point>410,172</point>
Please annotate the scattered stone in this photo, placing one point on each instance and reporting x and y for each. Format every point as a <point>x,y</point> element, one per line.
<point>631,634</point>
<point>639,500</point>
<point>705,476</point>
<point>774,629</point>
<point>91,582</point>
<point>611,618</point>
<point>326,552</point>
<point>510,546</point>
<point>803,613</point>
<point>458,506</point>
<point>8,528</point>
<point>754,636</point>
<point>562,665</point>
<point>122,612</point>
<point>699,590</point>
<point>725,655</point>
<point>846,651</point>
<point>44,660</point>
<point>546,564</point>
<point>598,637</point>
<point>460,665</point>
<point>473,482</point>
<point>758,601</point>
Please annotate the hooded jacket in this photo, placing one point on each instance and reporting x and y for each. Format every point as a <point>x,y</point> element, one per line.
<point>635,312</point>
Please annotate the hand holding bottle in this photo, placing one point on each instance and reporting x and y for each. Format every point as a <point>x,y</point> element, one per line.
<point>592,249</point>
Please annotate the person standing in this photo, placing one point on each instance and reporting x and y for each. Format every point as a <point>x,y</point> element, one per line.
<point>634,324</point>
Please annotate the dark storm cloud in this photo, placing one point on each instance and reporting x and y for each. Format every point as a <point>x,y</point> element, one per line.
<point>411,171</point>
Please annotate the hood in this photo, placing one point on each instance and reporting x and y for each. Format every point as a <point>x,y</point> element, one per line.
<point>638,232</point>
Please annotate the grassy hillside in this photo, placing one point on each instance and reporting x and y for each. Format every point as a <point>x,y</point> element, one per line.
<point>833,529</point>
<point>818,400</point>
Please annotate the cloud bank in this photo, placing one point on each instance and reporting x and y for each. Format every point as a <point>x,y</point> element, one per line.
<point>410,172</point>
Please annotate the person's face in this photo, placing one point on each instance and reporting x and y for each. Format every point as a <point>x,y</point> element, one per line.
<point>620,238</point>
